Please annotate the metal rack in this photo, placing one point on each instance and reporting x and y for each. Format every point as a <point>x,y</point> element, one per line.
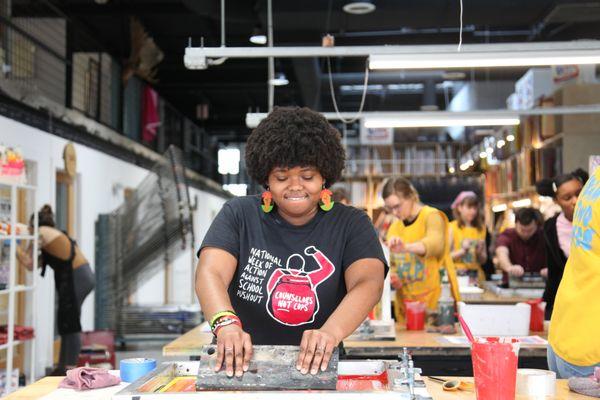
<point>13,289</point>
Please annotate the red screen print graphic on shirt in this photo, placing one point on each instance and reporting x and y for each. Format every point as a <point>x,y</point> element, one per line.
<point>293,298</point>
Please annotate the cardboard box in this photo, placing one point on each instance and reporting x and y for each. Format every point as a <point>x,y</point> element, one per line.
<point>572,95</point>
<point>535,83</point>
<point>547,123</point>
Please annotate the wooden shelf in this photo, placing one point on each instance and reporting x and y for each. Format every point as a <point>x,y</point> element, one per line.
<point>520,193</point>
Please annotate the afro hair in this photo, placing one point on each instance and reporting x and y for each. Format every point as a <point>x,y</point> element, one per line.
<point>295,137</point>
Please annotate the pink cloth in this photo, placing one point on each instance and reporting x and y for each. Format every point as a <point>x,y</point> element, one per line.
<point>588,386</point>
<point>85,378</point>
<point>461,196</point>
<point>150,115</point>
<point>564,230</point>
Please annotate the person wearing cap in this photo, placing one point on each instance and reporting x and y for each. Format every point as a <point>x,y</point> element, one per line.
<point>467,235</point>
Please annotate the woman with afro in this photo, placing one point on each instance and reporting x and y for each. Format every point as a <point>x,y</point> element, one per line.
<point>289,267</point>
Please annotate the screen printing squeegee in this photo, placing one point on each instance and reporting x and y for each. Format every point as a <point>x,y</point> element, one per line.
<point>271,368</point>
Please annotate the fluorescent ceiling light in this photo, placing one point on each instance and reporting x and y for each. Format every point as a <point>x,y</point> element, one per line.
<point>442,121</point>
<point>521,203</point>
<point>446,118</point>
<point>419,56</point>
<point>451,170</point>
<point>499,208</point>
<point>510,138</point>
<point>482,59</point>
<point>483,154</point>
<point>500,143</point>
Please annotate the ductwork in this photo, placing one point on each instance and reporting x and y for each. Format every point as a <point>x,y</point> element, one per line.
<point>355,78</point>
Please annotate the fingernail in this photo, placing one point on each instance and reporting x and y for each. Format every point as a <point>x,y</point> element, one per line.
<point>323,367</point>
<point>230,373</point>
<point>298,367</point>
<point>245,368</point>
<point>304,370</point>
<point>238,373</point>
<point>314,371</point>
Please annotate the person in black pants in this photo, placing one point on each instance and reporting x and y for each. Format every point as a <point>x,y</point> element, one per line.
<point>74,280</point>
<point>558,230</point>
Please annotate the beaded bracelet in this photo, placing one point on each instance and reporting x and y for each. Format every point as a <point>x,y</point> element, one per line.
<point>219,315</point>
<point>225,321</point>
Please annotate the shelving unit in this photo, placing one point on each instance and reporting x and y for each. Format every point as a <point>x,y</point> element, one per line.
<point>546,146</point>
<point>16,292</point>
<point>368,166</point>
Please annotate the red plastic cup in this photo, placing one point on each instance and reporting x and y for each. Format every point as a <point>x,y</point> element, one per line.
<point>495,362</point>
<point>536,322</point>
<point>415,315</point>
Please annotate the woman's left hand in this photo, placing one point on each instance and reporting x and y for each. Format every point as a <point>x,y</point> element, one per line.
<point>316,349</point>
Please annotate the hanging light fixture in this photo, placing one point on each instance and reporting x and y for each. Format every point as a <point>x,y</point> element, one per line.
<point>359,7</point>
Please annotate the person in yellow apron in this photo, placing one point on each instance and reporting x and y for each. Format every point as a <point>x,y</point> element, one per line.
<point>574,348</point>
<point>467,235</point>
<point>419,247</point>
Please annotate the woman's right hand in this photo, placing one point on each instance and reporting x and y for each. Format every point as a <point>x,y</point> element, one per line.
<point>234,350</point>
<point>395,281</point>
<point>397,245</point>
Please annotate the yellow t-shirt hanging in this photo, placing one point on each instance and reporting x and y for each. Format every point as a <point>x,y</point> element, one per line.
<point>467,237</point>
<point>575,325</point>
<point>419,276</point>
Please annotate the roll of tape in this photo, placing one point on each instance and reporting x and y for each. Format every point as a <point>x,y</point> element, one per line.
<point>536,383</point>
<point>133,368</point>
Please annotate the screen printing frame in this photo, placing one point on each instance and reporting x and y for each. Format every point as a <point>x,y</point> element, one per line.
<point>171,370</point>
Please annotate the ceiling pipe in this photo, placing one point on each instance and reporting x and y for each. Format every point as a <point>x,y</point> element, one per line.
<point>385,77</point>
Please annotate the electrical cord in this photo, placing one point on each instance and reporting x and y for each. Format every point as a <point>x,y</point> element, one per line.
<point>460,31</point>
<point>362,101</point>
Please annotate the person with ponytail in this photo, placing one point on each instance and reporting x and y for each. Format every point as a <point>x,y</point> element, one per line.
<point>558,230</point>
<point>419,247</point>
<point>467,235</point>
<point>74,280</point>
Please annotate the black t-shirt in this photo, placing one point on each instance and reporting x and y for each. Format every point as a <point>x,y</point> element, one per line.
<point>289,278</point>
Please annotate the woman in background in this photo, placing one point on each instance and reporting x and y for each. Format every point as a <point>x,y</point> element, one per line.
<point>418,246</point>
<point>467,235</point>
<point>558,230</point>
<point>73,279</point>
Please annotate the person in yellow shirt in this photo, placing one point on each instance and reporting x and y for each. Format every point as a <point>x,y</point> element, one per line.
<point>467,235</point>
<point>418,247</point>
<point>574,338</point>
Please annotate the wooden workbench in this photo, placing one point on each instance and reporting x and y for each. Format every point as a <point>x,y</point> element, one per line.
<point>435,354</point>
<point>189,344</point>
<point>47,385</point>
<point>489,297</point>
<point>419,342</point>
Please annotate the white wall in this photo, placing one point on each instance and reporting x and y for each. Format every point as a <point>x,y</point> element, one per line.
<point>98,173</point>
